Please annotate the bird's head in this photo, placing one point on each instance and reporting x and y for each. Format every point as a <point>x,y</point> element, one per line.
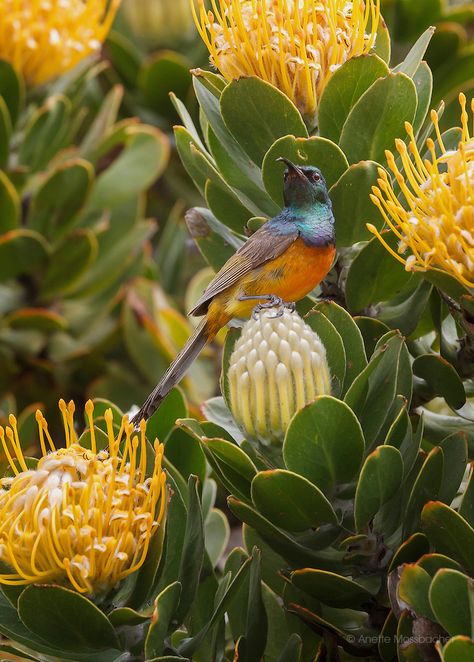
<point>304,186</point>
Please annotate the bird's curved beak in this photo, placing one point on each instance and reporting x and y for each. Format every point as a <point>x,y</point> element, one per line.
<point>292,167</point>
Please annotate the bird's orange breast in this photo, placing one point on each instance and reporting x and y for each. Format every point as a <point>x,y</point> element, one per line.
<point>291,277</point>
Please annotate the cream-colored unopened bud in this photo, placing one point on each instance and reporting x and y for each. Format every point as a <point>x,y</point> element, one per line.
<point>277,367</point>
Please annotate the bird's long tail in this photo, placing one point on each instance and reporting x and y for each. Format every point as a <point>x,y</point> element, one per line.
<point>175,372</point>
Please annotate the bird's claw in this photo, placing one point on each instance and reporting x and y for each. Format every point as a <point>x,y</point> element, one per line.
<point>274,302</point>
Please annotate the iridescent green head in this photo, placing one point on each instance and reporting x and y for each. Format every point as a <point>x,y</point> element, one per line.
<point>304,186</point>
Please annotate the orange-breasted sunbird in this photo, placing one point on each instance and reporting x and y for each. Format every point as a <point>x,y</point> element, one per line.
<point>281,262</point>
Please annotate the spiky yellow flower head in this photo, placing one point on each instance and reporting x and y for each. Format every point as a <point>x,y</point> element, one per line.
<point>296,45</point>
<point>82,517</point>
<point>435,223</point>
<point>43,39</point>
<point>160,22</point>
<point>277,367</point>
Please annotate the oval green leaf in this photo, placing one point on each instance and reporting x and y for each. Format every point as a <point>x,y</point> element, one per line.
<point>290,501</point>
<point>257,114</point>
<point>324,443</point>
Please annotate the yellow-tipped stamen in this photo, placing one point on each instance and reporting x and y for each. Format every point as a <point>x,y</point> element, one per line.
<point>295,45</point>
<point>277,367</point>
<point>45,39</point>
<point>83,517</point>
<point>436,223</point>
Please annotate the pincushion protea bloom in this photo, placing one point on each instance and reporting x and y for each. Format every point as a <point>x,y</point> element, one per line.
<point>82,517</point>
<point>296,45</point>
<point>277,367</point>
<point>43,39</point>
<point>435,224</point>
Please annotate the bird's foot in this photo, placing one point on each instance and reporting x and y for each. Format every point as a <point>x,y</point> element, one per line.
<point>271,301</point>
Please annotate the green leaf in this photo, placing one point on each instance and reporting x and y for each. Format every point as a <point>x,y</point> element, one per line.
<point>45,133</point>
<point>382,275</point>
<point>324,443</point>
<point>290,501</point>
<point>344,89</point>
<point>423,80</point>
<point>140,163</point>
<point>301,151</point>
<point>5,133</point>
<point>454,449</point>
<point>9,203</point>
<point>292,650</point>
<point>55,205</point>
<point>127,616</point>
<point>256,629</point>
<point>226,206</point>
<point>280,542</point>
<point>164,72</point>
<point>233,163</point>
<point>410,551</point>
<point>69,262</point>
<point>452,601</point>
<point>216,534</point>
<point>184,452</point>
<point>176,520</point>
<point>378,118</point>
<point>235,466</point>
<point>466,509</point>
<point>192,552</point>
<point>257,114</point>
<point>427,486</point>
<point>21,251</point>
<point>352,205</point>
<point>434,562</point>
<point>410,64</point>
<point>103,123</point>
<point>441,377</point>
<point>351,337</point>
<point>162,422</point>
<point>331,589</point>
<point>413,589</point>
<point>380,478</point>
<point>165,606</point>
<point>335,352</point>
<point>12,90</point>
<point>458,649</point>
<point>373,392</point>
<point>400,435</point>
<point>189,646</point>
<point>372,330</point>
<point>65,619</point>
<point>449,533</point>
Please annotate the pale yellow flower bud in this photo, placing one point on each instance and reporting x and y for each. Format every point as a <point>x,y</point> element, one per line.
<point>277,367</point>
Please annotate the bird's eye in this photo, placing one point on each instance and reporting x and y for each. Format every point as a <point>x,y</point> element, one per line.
<point>316,177</point>
<point>285,176</point>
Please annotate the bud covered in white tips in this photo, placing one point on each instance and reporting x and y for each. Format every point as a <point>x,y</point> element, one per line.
<point>277,367</point>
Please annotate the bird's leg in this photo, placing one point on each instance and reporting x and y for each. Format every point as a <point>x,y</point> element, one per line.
<point>271,301</point>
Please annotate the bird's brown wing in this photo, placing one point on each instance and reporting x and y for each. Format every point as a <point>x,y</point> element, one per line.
<point>261,247</point>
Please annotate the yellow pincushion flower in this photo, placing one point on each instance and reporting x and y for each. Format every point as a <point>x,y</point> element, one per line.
<point>277,367</point>
<point>82,517</point>
<point>43,39</point>
<point>296,45</point>
<point>435,223</point>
